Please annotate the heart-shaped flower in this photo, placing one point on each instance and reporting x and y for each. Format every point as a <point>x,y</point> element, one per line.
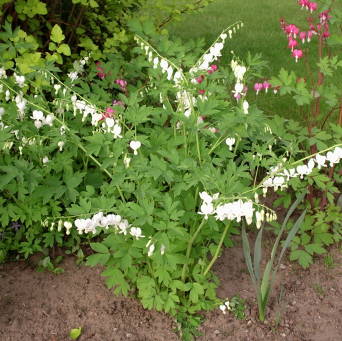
<point>135,145</point>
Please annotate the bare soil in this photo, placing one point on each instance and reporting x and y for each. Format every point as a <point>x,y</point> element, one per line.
<point>306,305</point>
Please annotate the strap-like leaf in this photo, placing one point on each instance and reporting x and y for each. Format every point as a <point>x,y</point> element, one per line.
<point>291,234</point>
<point>247,254</point>
<point>265,284</point>
<point>257,255</point>
<point>288,215</point>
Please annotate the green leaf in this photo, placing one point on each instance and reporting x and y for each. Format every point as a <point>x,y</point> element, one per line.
<point>257,255</point>
<point>265,284</point>
<point>97,258</point>
<point>325,238</point>
<point>75,333</point>
<point>304,259</point>
<point>98,247</point>
<point>64,49</point>
<point>196,291</point>
<point>57,34</point>
<point>52,46</point>
<point>247,254</point>
<point>314,248</point>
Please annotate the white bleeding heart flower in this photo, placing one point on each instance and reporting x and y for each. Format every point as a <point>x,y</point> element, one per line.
<point>135,145</point>
<point>230,141</point>
<point>37,115</point>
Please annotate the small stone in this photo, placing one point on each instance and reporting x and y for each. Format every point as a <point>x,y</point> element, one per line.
<point>217,332</point>
<point>128,335</point>
<point>282,266</point>
<point>283,334</point>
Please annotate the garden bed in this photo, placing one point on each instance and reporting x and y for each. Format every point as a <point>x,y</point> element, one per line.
<point>40,306</point>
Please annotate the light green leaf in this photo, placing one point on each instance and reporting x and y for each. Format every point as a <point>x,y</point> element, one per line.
<point>57,34</point>
<point>93,4</point>
<point>75,333</point>
<point>65,49</point>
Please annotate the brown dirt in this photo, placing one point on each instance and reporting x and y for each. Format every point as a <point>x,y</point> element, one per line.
<point>44,306</point>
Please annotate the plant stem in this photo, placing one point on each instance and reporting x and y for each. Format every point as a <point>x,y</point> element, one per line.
<point>261,310</point>
<point>102,168</point>
<point>218,249</point>
<point>198,149</point>
<point>188,250</point>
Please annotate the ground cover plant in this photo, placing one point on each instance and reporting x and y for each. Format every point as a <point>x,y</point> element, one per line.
<point>156,161</point>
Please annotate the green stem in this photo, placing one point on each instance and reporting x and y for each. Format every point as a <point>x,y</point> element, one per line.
<point>102,168</point>
<point>218,249</point>
<point>198,149</point>
<point>216,144</point>
<point>185,142</point>
<point>188,250</point>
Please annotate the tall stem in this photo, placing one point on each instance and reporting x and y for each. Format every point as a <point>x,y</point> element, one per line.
<point>218,249</point>
<point>198,149</point>
<point>188,250</point>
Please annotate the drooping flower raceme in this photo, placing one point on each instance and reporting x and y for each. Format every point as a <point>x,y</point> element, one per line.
<point>240,90</point>
<point>115,221</point>
<point>234,210</point>
<point>187,101</point>
<point>279,177</point>
<point>40,120</point>
<point>109,124</point>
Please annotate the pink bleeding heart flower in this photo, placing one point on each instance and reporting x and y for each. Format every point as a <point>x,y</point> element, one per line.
<point>304,3</point>
<point>297,54</point>
<point>326,34</point>
<point>101,74</point>
<point>302,36</point>
<point>312,6</point>
<point>292,43</point>
<point>292,30</point>
<point>258,87</point>
<point>324,17</point>
<point>122,83</point>
<point>201,92</point>
<point>200,79</point>
<point>212,69</point>
<point>310,34</point>
<point>108,113</point>
<point>266,85</point>
<point>115,102</point>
